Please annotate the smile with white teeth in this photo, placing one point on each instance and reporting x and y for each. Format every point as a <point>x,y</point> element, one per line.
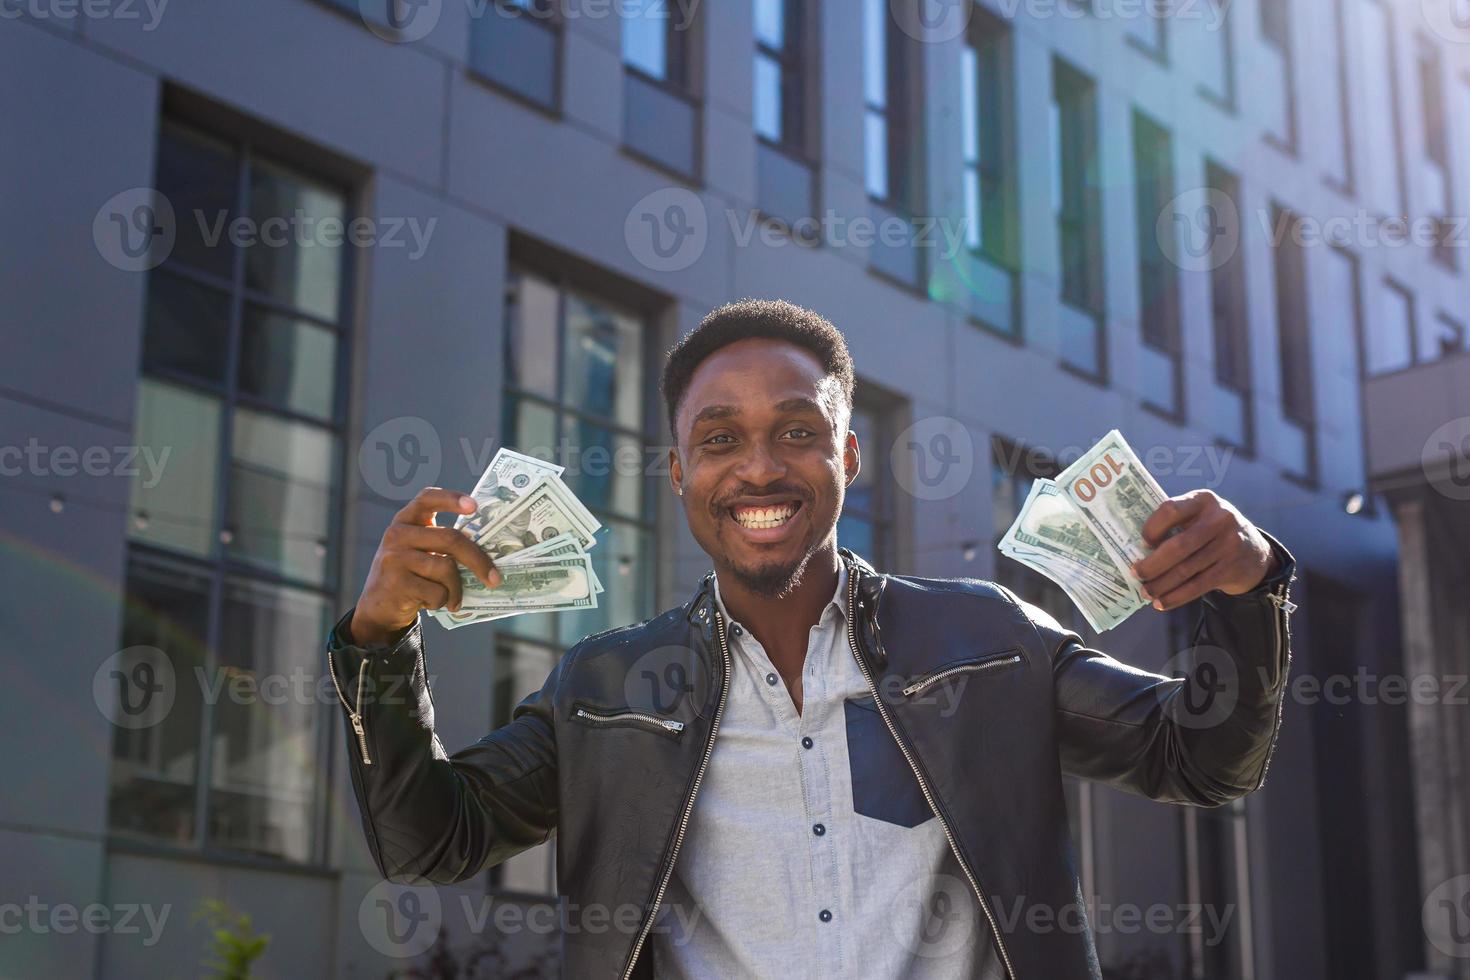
<point>760,518</point>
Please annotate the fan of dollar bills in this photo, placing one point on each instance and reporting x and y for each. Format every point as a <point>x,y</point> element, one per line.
<point>538,534</point>
<point>1084,530</point>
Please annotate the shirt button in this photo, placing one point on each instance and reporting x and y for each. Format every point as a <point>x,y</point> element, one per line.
<point>738,630</point>
<point>807,742</point>
<point>818,829</point>
<point>771,679</point>
<point>825,915</point>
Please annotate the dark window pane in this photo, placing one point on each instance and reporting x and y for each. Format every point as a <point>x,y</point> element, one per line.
<point>264,776</point>
<point>151,694</point>
<point>530,427</point>
<point>288,362</point>
<point>768,97</point>
<point>604,362</point>
<point>291,260</point>
<point>200,177</point>
<point>531,315</point>
<point>282,485</point>
<point>188,328</point>
<point>623,560</point>
<point>659,124</point>
<point>856,534</point>
<point>517,51</point>
<point>606,472</point>
<point>177,432</point>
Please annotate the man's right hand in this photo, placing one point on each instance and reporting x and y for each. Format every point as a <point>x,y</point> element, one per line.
<point>417,567</point>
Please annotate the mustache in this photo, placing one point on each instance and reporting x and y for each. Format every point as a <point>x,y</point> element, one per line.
<point>724,501</point>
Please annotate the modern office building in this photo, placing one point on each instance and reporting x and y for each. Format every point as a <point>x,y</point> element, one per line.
<point>267,268</point>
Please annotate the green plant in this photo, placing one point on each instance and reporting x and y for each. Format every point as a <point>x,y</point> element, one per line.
<point>233,943</point>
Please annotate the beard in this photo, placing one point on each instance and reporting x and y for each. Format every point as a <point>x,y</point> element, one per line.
<point>773,580</point>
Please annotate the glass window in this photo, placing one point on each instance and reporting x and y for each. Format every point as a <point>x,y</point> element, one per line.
<point>155,745</point>
<point>520,670</point>
<point>891,72</point>
<point>1390,341</point>
<point>590,416</point>
<point>234,520</point>
<point>1161,383</point>
<point>266,737</point>
<point>1013,468</point>
<point>985,97</point>
<point>1074,179</point>
<point>779,73</point>
<point>517,44</point>
<point>866,524</point>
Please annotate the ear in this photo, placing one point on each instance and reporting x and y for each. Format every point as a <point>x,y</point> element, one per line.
<point>852,458</point>
<point>676,472</point>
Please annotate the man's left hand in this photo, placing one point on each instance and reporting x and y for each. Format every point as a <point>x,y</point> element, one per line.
<point>1214,548</point>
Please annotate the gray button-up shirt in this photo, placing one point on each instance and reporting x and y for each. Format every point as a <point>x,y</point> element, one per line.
<point>811,851</point>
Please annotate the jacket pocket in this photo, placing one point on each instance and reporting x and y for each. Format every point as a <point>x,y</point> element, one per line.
<point>883,785</point>
<point>627,718</point>
<point>985,663</point>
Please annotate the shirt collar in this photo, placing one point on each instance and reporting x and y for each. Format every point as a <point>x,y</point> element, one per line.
<point>836,606</point>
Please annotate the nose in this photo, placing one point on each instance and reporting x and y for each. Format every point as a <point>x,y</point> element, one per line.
<point>759,466</point>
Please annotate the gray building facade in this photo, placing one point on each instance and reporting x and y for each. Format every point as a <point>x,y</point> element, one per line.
<point>267,268</point>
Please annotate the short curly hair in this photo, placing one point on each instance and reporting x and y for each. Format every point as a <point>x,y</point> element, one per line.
<point>774,319</point>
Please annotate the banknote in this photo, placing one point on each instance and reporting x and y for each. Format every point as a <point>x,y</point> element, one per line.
<point>1085,529</point>
<point>538,535</point>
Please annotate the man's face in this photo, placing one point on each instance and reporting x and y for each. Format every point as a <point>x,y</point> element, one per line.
<point>764,459</point>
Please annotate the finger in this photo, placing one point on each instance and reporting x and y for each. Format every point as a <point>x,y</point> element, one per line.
<point>1172,513</point>
<point>439,569</point>
<point>426,593</point>
<point>1190,589</point>
<point>1174,550</point>
<point>1212,553</point>
<point>433,500</point>
<point>449,541</point>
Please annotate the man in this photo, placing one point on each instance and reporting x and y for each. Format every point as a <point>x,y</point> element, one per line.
<point>835,772</point>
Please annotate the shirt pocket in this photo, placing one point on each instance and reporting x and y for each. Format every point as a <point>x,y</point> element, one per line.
<point>596,717</point>
<point>883,786</point>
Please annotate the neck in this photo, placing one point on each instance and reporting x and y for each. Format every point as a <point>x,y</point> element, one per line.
<point>785,621</point>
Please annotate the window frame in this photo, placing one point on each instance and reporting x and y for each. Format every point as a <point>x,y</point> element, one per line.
<point>1153,168</point>
<point>549,21</point>
<point>219,568</point>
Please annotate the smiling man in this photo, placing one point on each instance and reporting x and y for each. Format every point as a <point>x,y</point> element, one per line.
<point>837,771</point>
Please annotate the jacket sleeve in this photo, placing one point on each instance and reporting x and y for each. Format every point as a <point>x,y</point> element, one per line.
<point>429,816</point>
<point>1204,738</point>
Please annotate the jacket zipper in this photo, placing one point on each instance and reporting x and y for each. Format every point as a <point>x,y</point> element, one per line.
<point>923,783</point>
<point>709,747</point>
<point>353,715</point>
<point>987,663</point>
<point>668,725</point>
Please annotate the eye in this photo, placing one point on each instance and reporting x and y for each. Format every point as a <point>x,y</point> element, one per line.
<point>714,440</point>
<point>798,432</point>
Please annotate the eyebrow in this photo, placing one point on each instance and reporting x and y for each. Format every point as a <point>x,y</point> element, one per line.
<point>717,412</point>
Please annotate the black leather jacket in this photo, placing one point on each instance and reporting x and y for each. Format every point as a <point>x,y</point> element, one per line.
<point>614,779</point>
